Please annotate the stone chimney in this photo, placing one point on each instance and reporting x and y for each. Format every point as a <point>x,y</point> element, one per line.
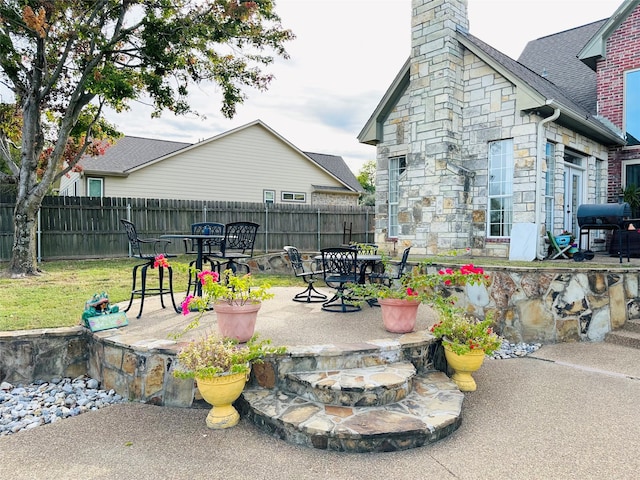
<point>435,123</point>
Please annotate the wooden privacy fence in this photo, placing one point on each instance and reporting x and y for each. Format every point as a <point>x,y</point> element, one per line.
<point>87,227</point>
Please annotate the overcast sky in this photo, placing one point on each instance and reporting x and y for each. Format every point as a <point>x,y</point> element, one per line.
<point>345,56</point>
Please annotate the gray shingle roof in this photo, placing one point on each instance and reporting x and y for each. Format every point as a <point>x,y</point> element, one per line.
<point>555,57</point>
<point>130,152</point>
<point>337,166</point>
<point>544,87</point>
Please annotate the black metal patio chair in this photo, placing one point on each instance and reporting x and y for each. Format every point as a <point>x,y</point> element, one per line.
<point>238,242</point>
<point>387,276</point>
<point>147,249</point>
<point>340,267</point>
<point>310,294</point>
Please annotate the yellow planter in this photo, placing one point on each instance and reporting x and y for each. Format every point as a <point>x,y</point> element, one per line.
<point>464,365</point>
<point>221,392</point>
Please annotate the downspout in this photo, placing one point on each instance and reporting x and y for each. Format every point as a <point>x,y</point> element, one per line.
<point>539,158</point>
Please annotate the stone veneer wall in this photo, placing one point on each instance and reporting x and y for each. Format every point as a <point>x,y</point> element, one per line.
<point>563,305</point>
<point>528,304</point>
<point>443,123</point>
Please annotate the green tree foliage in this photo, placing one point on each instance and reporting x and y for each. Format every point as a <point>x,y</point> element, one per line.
<point>65,60</point>
<point>367,178</point>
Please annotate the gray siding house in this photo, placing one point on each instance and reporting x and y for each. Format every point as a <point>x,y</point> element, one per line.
<point>477,150</point>
<point>251,163</point>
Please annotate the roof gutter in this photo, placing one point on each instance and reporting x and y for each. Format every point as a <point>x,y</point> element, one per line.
<point>539,158</point>
<point>102,173</point>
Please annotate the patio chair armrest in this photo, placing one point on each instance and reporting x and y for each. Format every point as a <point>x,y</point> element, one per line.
<point>156,242</point>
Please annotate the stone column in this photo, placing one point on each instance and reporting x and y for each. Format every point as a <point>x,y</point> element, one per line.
<point>437,190</point>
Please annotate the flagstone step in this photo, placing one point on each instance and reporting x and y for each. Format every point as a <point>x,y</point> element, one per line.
<point>412,346</point>
<point>632,326</point>
<point>430,412</point>
<point>623,337</point>
<point>362,387</point>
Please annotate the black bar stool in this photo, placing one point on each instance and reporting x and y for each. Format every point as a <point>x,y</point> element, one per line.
<point>137,244</point>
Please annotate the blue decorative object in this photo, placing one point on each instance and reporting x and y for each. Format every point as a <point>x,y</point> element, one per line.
<point>563,240</point>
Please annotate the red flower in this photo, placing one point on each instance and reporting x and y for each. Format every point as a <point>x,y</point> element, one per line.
<point>470,269</point>
<point>411,292</point>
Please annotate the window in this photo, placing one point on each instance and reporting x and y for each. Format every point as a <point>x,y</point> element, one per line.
<point>601,186</point>
<point>574,188</point>
<point>500,188</point>
<point>269,196</point>
<point>549,204</point>
<point>94,187</point>
<point>631,173</point>
<point>294,197</point>
<point>632,106</point>
<point>397,166</point>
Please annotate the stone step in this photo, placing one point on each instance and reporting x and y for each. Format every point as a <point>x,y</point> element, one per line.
<point>430,412</point>
<point>625,338</point>
<point>360,387</point>
<point>306,358</point>
<point>632,326</point>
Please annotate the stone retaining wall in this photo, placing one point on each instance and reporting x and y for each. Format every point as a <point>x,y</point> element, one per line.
<point>27,355</point>
<point>563,305</point>
<point>528,305</point>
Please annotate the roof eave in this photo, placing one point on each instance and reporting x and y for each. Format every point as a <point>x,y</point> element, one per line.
<point>595,49</point>
<point>323,189</point>
<point>371,133</point>
<point>103,173</point>
<point>577,123</point>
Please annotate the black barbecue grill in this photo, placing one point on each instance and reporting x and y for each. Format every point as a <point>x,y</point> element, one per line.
<point>606,216</point>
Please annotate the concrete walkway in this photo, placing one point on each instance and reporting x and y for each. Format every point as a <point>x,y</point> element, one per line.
<point>569,412</point>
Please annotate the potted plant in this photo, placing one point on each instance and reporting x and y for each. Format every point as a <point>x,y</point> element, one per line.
<point>399,300</point>
<point>236,300</point>
<point>631,195</point>
<point>221,367</point>
<point>466,341</point>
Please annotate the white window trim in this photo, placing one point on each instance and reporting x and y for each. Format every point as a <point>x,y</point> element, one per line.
<point>625,102</point>
<point>293,197</point>
<point>394,206</point>
<point>269,200</point>
<point>101,180</point>
<point>625,163</point>
<point>489,196</point>
<point>550,180</point>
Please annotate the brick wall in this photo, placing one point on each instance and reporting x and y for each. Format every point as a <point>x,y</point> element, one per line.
<point>621,56</point>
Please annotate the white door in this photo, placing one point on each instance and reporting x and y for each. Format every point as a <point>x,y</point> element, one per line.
<point>573,197</point>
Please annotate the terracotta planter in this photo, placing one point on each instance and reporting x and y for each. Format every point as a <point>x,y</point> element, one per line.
<point>464,365</point>
<point>220,392</point>
<point>399,315</point>
<point>237,321</point>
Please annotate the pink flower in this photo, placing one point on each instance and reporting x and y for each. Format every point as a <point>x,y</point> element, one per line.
<point>185,304</point>
<point>202,276</point>
<point>411,292</point>
<point>160,261</point>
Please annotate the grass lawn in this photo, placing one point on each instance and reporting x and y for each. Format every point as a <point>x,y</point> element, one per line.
<point>57,297</point>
